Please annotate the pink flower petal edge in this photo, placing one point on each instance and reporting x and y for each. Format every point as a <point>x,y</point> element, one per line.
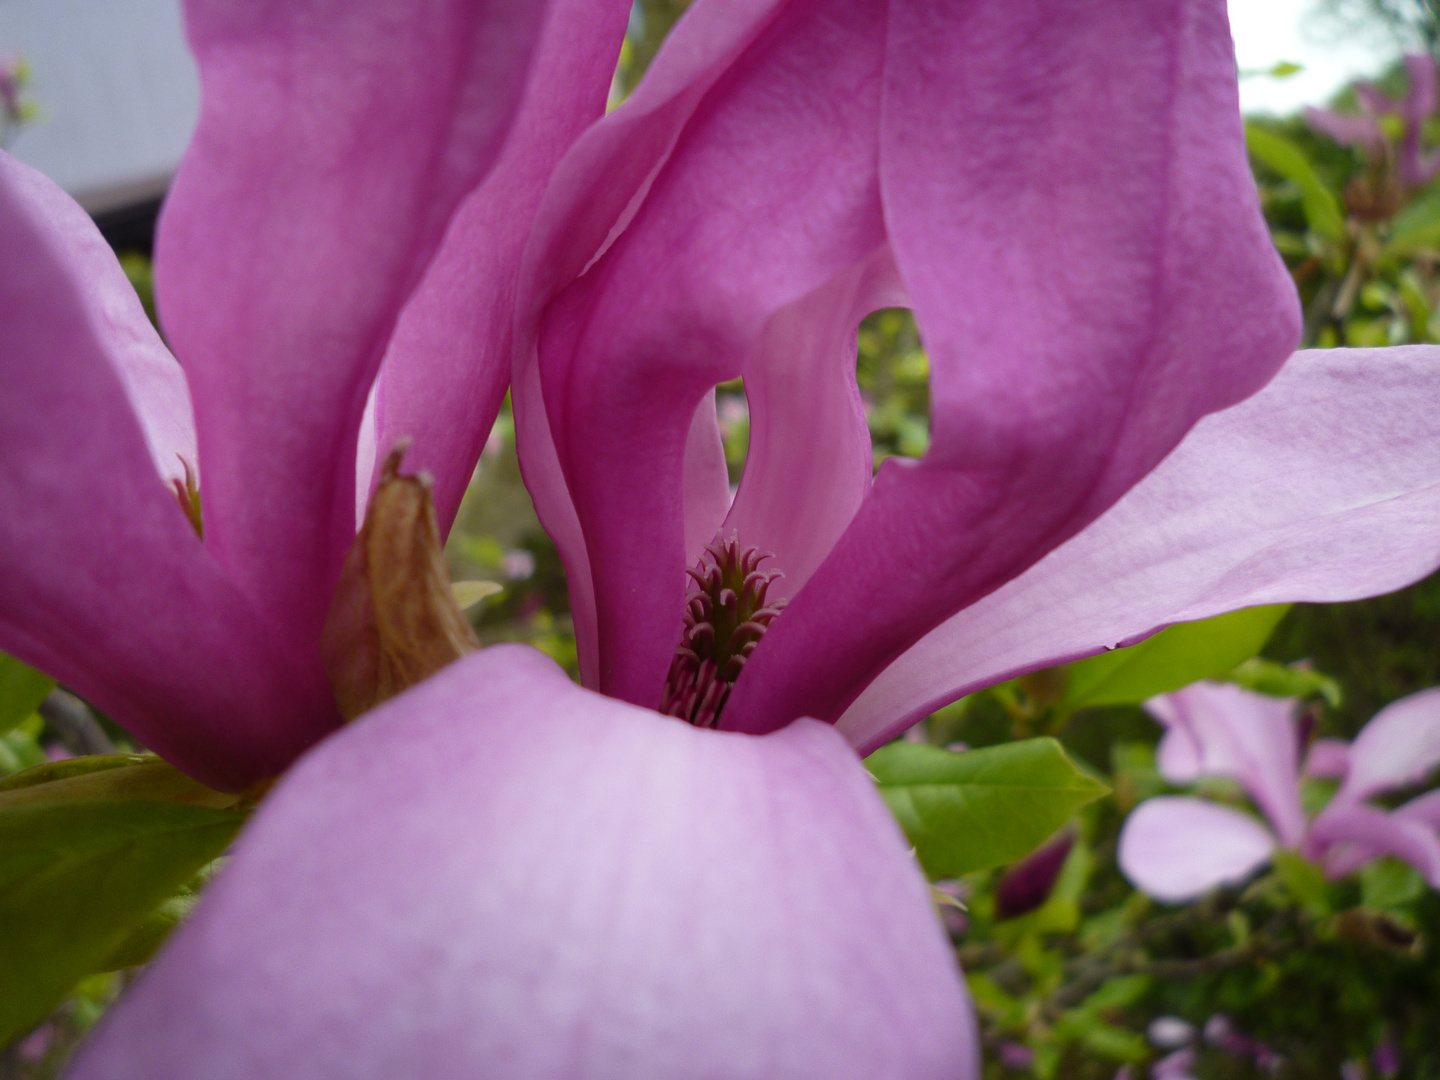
<point>1175,848</point>
<point>1325,486</point>
<point>618,895</point>
<point>1399,746</point>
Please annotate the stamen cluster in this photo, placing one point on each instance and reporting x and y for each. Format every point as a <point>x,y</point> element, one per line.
<point>726,615</point>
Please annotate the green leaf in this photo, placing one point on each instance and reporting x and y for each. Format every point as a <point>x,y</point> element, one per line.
<point>981,808</point>
<point>1389,883</point>
<point>109,777</point>
<point>1322,210</point>
<point>1303,880</point>
<point>1280,680</point>
<point>1415,229</point>
<point>1175,657</point>
<point>77,878</point>
<point>142,943</point>
<point>22,689</point>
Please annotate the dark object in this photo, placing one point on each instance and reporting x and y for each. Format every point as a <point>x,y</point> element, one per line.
<point>1027,884</point>
<point>131,228</point>
<point>74,724</point>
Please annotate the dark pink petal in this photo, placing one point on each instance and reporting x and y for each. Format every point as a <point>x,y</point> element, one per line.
<point>733,227</point>
<point>1070,206</point>
<point>1328,758</point>
<point>501,875</point>
<point>447,367</point>
<point>152,379</point>
<point>1325,486</point>
<point>1349,836</point>
<point>1348,130</point>
<point>1242,735</point>
<point>103,582</point>
<point>1399,746</point>
<point>334,143</point>
<point>1174,848</point>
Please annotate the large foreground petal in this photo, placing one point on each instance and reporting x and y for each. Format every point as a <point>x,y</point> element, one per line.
<point>103,582</point>
<point>334,143</point>
<point>1325,486</point>
<point>501,875</point>
<point>1175,848</point>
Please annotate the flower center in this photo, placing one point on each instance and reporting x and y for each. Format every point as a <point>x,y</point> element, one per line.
<point>726,615</point>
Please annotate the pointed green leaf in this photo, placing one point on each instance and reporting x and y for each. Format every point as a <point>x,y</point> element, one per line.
<point>22,689</point>
<point>107,777</point>
<point>1415,229</point>
<point>1280,680</point>
<point>1322,209</point>
<point>1175,657</point>
<point>77,878</point>
<point>981,808</point>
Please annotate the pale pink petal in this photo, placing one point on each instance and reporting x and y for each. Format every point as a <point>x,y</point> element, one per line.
<point>1328,758</point>
<point>733,227</point>
<point>447,367</point>
<point>1080,238</point>
<point>334,143</point>
<point>502,875</point>
<point>1242,735</point>
<point>152,379</point>
<point>1425,808</point>
<point>1348,130</point>
<point>1325,486</point>
<point>103,583</point>
<point>809,463</point>
<point>706,484</point>
<point>1399,746</point>
<point>1174,848</point>
<point>1178,756</point>
<point>1350,836</point>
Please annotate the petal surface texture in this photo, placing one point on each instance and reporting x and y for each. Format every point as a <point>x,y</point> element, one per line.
<point>1399,746</point>
<point>1227,731</point>
<point>103,583</point>
<point>1174,848</point>
<point>1323,487</point>
<point>1069,204</point>
<point>447,366</point>
<point>499,874</point>
<point>334,143</point>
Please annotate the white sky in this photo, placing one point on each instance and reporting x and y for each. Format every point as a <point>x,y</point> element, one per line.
<point>1267,32</point>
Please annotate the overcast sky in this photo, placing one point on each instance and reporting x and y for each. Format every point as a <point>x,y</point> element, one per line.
<point>1270,31</point>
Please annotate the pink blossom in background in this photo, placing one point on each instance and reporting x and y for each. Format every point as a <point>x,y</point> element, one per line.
<point>1418,165</point>
<point>1177,847</point>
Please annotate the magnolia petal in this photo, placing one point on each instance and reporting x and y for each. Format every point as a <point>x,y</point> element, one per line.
<point>780,156</point>
<point>1425,808</point>
<point>1328,758</point>
<point>1174,848</point>
<point>501,875</point>
<point>1347,129</point>
<point>1246,736</point>
<point>152,379</point>
<point>1399,745</point>
<point>448,364</point>
<point>103,582</point>
<point>809,462</point>
<point>1350,836</point>
<point>333,144</point>
<point>706,486</point>
<point>1325,486</point>
<point>1082,244</point>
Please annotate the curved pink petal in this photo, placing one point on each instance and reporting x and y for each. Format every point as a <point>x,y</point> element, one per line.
<point>1350,836</point>
<point>809,463</point>
<point>732,228</point>
<point>1325,486</point>
<point>706,483</point>
<point>152,379</point>
<point>1069,202</point>
<point>1328,758</point>
<point>448,364</point>
<point>333,145</point>
<point>1348,130</point>
<point>1175,848</point>
<point>1399,746</point>
<point>1242,735</point>
<point>1424,808</point>
<point>103,582</point>
<point>521,879</point>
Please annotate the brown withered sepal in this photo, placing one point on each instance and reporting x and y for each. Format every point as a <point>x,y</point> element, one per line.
<point>393,620</point>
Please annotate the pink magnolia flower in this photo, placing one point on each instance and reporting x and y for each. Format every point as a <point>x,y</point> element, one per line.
<point>1364,129</point>
<point>1176,847</point>
<point>324,217</point>
<point>500,874</point>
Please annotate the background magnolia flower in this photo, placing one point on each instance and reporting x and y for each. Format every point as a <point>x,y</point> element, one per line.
<point>332,191</point>
<point>1417,165</point>
<point>1177,847</point>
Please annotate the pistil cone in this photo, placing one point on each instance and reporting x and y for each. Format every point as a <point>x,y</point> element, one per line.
<point>393,620</point>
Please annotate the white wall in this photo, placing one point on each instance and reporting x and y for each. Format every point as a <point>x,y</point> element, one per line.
<point>117,91</point>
